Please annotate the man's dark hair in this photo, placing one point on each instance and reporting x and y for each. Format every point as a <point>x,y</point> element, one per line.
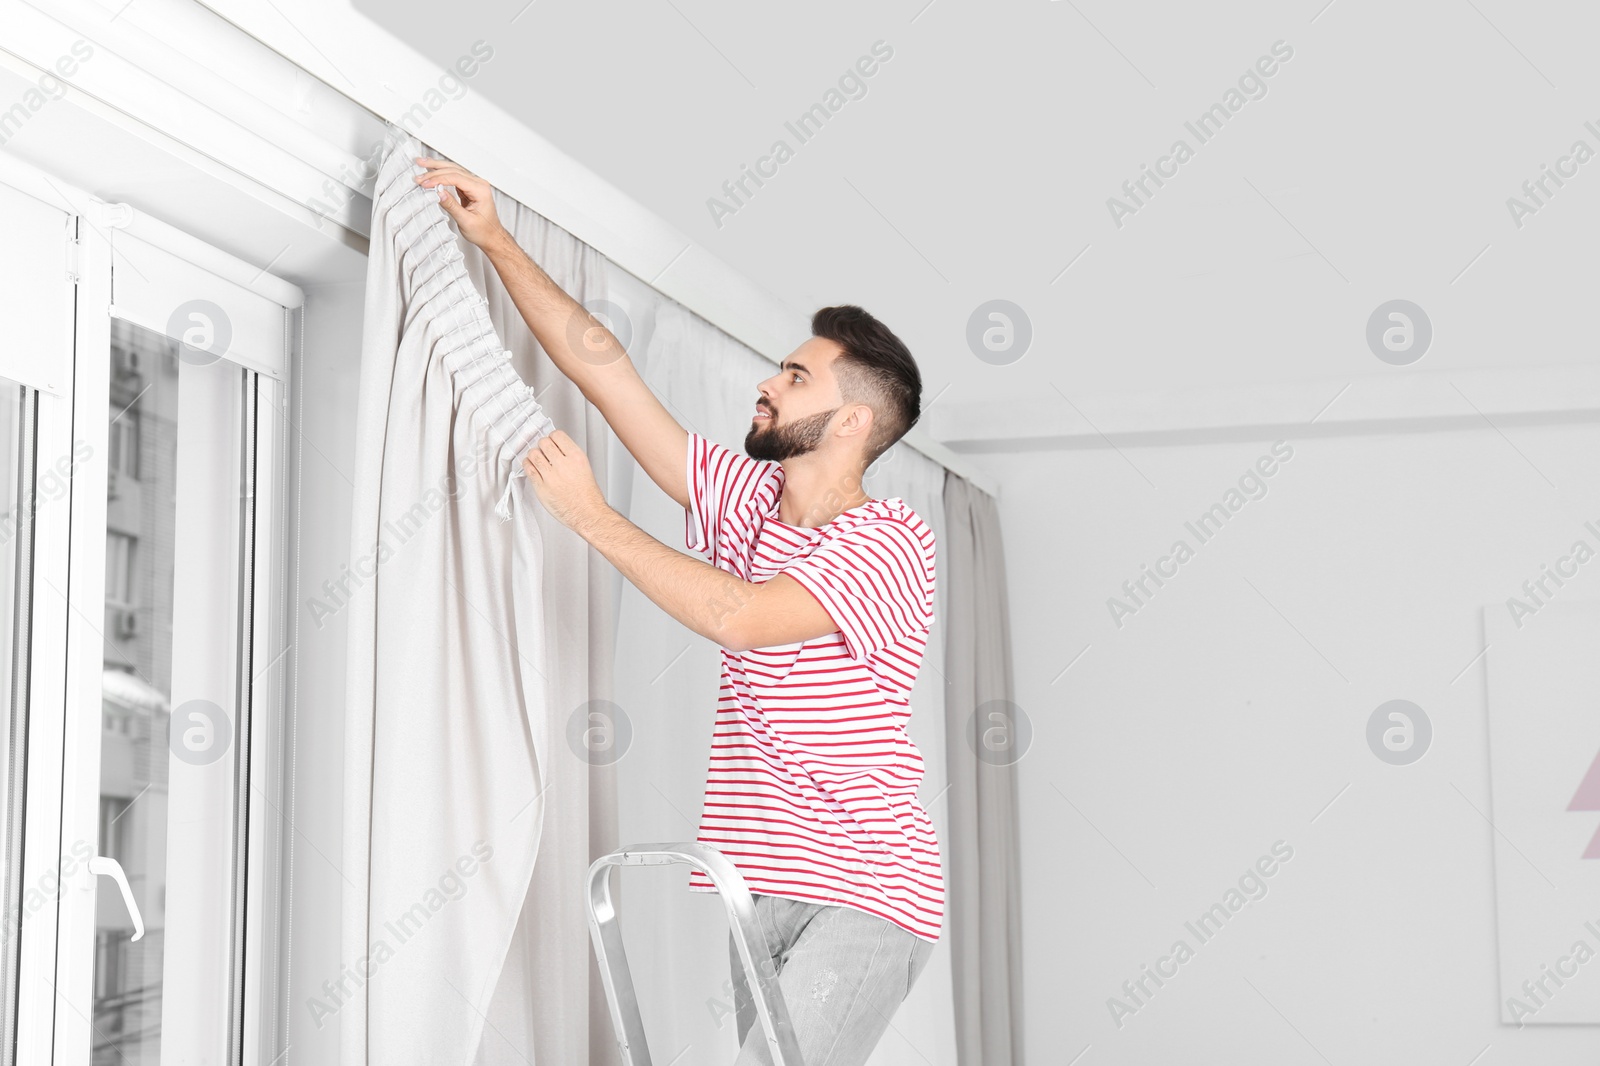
<point>874,368</point>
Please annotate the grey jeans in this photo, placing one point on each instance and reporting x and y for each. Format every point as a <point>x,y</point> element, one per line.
<point>842,972</point>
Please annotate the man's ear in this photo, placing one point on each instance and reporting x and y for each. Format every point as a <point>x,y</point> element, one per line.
<point>859,420</point>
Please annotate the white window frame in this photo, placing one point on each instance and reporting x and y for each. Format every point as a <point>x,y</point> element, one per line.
<point>57,941</point>
<point>45,364</point>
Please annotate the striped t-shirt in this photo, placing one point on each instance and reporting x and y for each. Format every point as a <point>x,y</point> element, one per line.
<point>812,789</point>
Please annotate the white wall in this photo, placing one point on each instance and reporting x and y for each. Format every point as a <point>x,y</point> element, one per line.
<point>1230,711</point>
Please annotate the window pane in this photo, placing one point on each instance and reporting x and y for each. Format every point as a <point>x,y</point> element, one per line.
<point>169,697</point>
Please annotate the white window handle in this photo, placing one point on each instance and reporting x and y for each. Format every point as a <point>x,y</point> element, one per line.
<point>103,866</point>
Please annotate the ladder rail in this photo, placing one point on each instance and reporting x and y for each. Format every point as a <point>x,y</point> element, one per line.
<point>761,976</point>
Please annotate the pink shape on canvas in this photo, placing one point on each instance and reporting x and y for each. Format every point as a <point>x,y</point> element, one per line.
<point>1588,799</point>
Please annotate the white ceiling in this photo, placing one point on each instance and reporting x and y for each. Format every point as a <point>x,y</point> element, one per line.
<point>978,166</point>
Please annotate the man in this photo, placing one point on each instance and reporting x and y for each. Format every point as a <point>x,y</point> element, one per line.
<point>821,598</point>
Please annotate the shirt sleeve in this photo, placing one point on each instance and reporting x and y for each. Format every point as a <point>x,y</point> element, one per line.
<point>720,481</point>
<point>876,581</point>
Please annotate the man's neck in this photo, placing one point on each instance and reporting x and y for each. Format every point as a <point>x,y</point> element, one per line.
<point>814,496</point>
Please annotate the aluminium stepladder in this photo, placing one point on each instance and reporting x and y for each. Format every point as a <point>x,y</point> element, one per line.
<point>771,1011</point>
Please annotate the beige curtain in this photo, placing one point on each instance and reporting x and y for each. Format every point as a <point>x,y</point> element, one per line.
<point>447,710</point>
<point>983,909</point>
<point>549,1007</point>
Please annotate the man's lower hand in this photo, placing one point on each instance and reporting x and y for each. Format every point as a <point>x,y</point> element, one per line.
<point>562,477</point>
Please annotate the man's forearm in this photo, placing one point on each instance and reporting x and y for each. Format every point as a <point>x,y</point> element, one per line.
<point>561,324</point>
<point>699,595</point>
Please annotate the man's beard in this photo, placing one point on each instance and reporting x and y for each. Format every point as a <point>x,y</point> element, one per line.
<point>774,443</point>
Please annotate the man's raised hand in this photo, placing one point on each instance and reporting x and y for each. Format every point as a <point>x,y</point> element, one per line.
<point>474,212</point>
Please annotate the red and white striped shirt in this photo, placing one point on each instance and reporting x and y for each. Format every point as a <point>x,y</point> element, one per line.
<point>812,789</point>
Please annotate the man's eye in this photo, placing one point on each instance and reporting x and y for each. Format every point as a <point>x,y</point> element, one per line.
<point>794,375</point>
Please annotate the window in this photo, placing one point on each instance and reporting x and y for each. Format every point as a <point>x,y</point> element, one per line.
<point>119,568</point>
<point>113,829</point>
<point>123,443</point>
